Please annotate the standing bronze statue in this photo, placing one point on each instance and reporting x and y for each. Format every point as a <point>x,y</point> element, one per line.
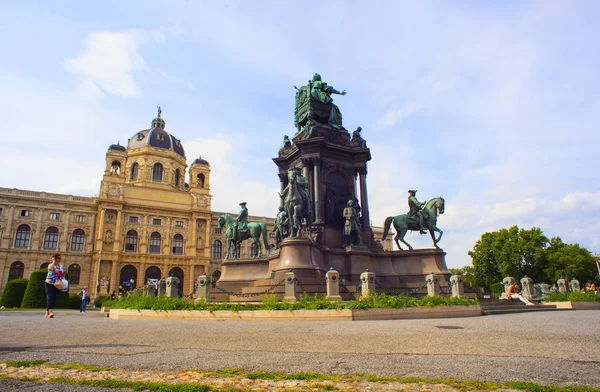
<point>352,233</point>
<point>281,227</point>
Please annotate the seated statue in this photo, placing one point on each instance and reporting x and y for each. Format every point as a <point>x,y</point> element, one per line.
<point>314,104</point>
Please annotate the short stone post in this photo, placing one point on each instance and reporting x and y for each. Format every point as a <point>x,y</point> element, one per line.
<point>290,287</point>
<point>545,289</point>
<point>332,277</point>
<point>433,285</point>
<point>562,285</point>
<point>149,290</point>
<point>507,282</point>
<point>575,285</point>
<point>456,283</point>
<point>162,287</point>
<point>202,287</point>
<point>367,280</point>
<point>527,287</point>
<point>173,287</point>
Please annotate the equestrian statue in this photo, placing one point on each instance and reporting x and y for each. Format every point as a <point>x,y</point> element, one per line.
<point>422,216</point>
<point>296,202</point>
<point>240,230</point>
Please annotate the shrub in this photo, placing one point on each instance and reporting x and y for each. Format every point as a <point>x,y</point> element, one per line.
<point>35,294</point>
<point>99,300</point>
<point>497,288</point>
<point>74,301</point>
<point>572,297</point>
<point>12,296</point>
<point>62,302</point>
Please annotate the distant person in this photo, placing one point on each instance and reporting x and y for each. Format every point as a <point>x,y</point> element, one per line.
<point>514,293</point>
<point>56,272</point>
<point>84,297</point>
<point>113,295</point>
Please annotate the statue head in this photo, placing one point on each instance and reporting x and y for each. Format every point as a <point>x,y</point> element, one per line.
<point>243,204</point>
<point>316,78</point>
<point>280,208</point>
<point>286,137</point>
<point>412,192</point>
<point>350,203</point>
<point>358,129</point>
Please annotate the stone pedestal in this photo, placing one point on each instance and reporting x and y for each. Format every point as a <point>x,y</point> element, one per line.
<point>433,285</point>
<point>149,290</point>
<point>202,287</point>
<point>290,287</point>
<point>332,277</point>
<point>545,289</point>
<point>456,282</point>
<point>173,287</point>
<point>162,287</point>
<point>527,287</point>
<point>574,285</point>
<point>302,256</point>
<point>367,280</point>
<point>507,282</point>
<point>562,285</point>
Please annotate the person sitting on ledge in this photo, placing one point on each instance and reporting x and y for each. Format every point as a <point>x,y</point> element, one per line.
<point>514,293</point>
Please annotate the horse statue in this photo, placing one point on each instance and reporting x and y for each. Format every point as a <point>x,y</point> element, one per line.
<point>402,224</point>
<point>255,231</point>
<point>298,208</point>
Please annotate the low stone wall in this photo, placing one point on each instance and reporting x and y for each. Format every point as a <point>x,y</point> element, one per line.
<point>575,305</point>
<point>299,315</point>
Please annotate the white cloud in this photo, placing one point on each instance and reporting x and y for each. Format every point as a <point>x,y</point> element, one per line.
<point>108,62</point>
<point>394,116</point>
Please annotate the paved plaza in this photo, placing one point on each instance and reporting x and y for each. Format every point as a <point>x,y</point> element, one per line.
<point>545,347</point>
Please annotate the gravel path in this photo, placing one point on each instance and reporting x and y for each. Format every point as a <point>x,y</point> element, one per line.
<point>544,347</point>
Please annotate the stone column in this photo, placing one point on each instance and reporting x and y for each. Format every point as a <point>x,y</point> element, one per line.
<point>507,282</point>
<point>89,242</point>
<point>173,287</point>
<point>364,200</point>
<point>166,248</point>
<point>527,287</point>
<point>574,285</point>
<point>143,245</point>
<point>6,240</point>
<point>118,235</point>
<point>562,285</point>
<point>63,245</point>
<point>433,285</point>
<point>290,287</point>
<point>367,280</point>
<point>333,285</point>
<point>114,277</point>
<point>456,282</point>
<point>202,288</point>
<point>38,232</point>
<point>100,234</point>
<point>141,272</point>
<point>317,184</point>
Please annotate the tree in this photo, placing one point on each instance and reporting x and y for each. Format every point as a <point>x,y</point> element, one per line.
<point>570,261</point>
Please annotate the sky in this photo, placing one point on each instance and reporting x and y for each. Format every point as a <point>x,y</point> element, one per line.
<point>494,106</point>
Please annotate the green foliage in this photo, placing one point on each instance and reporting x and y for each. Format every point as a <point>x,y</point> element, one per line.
<point>588,296</point>
<point>531,387</point>
<point>25,363</point>
<point>497,288</point>
<point>63,300</point>
<point>68,366</point>
<point>74,301</point>
<point>35,294</point>
<point>13,293</point>
<point>99,300</point>
<point>570,260</point>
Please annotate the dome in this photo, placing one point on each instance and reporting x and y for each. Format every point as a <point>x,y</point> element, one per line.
<point>117,147</point>
<point>157,136</point>
<point>201,161</point>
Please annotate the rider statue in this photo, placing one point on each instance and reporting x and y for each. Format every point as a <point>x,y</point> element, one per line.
<point>281,227</point>
<point>352,226</point>
<point>415,209</point>
<point>321,92</point>
<point>302,183</point>
<point>241,224</point>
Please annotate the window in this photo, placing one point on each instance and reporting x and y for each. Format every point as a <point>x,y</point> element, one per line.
<point>51,238</point>
<point>178,223</point>
<point>135,168</point>
<point>44,266</point>
<point>154,243</point>
<point>217,230</point>
<point>74,271</point>
<point>271,235</point>
<point>131,241</point>
<point>253,250</point>
<point>54,216</point>
<point>78,240</point>
<point>26,213</point>
<point>200,180</point>
<point>80,218</point>
<point>16,270</point>
<point>157,172</point>
<point>23,236</point>
<point>160,136</point>
<point>216,250</point>
<point>178,244</point>
<point>156,222</point>
<point>176,177</point>
<point>133,219</point>
<point>1,209</point>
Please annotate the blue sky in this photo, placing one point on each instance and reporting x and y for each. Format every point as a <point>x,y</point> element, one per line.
<point>493,105</point>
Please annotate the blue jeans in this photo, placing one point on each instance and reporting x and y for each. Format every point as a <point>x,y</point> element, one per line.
<point>82,304</point>
<point>51,296</point>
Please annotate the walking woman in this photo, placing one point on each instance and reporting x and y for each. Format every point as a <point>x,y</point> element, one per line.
<point>56,271</point>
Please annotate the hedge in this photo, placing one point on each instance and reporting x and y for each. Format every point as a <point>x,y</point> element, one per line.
<point>74,301</point>
<point>13,293</point>
<point>99,300</point>
<point>35,294</point>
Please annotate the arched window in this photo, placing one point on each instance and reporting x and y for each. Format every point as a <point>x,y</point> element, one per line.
<point>177,244</point>
<point>16,270</point>
<point>157,172</point>
<point>135,168</point>
<point>178,273</point>
<point>253,250</point>
<point>216,250</point>
<point>200,180</point>
<point>154,242</point>
<point>152,273</point>
<point>23,236</point>
<point>128,277</point>
<point>78,240</point>
<point>176,177</point>
<point>74,272</point>
<point>51,238</point>
<point>45,265</point>
<point>131,241</point>
<point>237,250</point>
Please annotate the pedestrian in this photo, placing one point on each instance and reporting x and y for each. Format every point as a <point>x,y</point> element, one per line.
<point>84,297</point>
<point>56,271</point>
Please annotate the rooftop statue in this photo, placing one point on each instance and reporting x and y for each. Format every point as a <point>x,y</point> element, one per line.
<point>357,138</point>
<point>423,216</point>
<point>315,105</point>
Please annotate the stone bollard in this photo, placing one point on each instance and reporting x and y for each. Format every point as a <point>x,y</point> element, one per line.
<point>173,287</point>
<point>574,285</point>
<point>290,287</point>
<point>162,287</point>
<point>149,290</point>
<point>433,285</point>
<point>507,282</point>
<point>456,283</point>
<point>527,287</point>
<point>562,285</point>
<point>202,288</point>
<point>367,280</point>
<point>333,285</point>
<point>545,289</point>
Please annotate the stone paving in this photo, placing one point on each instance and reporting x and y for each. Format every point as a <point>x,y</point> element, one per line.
<point>559,348</point>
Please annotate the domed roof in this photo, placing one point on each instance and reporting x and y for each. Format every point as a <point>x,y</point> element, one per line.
<point>201,161</point>
<point>117,147</point>
<point>156,136</point>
